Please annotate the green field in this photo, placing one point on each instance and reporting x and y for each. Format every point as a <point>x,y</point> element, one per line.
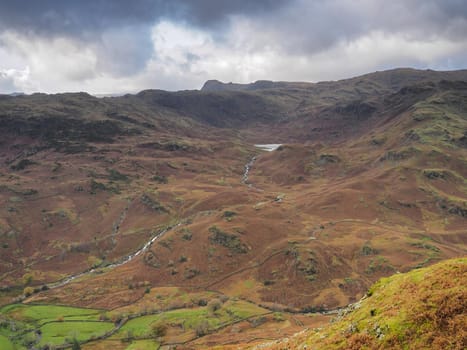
<point>40,325</point>
<point>191,319</point>
<point>58,332</point>
<point>47,313</point>
<point>5,344</point>
<point>57,325</point>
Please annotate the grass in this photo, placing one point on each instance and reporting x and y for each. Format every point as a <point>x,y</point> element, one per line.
<point>46,313</point>
<point>58,324</point>
<point>59,332</point>
<point>5,343</point>
<point>190,319</point>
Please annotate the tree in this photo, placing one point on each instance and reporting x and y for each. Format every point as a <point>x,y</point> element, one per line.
<point>75,345</point>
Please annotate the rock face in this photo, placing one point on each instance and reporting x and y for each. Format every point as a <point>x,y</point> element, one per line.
<point>216,85</point>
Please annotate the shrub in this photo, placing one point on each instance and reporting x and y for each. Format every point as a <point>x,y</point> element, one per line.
<point>278,317</point>
<point>228,215</point>
<point>158,329</point>
<point>232,242</point>
<point>202,302</point>
<point>160,179</point>
<point>202,328</point>
<point>187,235</point>
<point>115,175</point>
<point>75,345</point>
<point>28,291</point>
<point>214,305</point>
<point>27,279</point>
<point>367,250</point>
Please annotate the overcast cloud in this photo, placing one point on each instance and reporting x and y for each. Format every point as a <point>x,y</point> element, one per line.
<point>115,46</point>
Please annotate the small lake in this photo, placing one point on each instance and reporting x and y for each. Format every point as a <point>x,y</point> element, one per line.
<point>269,147</point>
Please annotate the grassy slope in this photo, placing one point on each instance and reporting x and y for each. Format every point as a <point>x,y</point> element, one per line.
<point>421,309</point>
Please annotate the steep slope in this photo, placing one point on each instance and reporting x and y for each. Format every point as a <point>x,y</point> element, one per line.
<point>422,309</point>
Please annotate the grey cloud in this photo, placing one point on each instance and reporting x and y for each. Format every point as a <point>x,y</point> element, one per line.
<point>124,51</point>
<point>120,30</point>
<point>318,22</point>
<point>70,17</point>
<point>309,27</point>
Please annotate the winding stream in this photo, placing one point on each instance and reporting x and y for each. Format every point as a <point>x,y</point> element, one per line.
<point>265,147</point>
<point>121,262</point>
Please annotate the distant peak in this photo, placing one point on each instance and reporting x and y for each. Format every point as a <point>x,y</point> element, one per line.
<point>213,85</point>
<point>216,85</point>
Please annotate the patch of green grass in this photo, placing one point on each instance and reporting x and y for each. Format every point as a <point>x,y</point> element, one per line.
<point>243,309</point>
<point>46,313</point>
<point>249,284</point>
<point>5,343</point>
<point>191,319</point>
<point>141,326</point>
<point>59,332</point>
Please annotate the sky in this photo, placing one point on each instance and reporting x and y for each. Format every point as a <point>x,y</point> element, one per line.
<point>122,46</point>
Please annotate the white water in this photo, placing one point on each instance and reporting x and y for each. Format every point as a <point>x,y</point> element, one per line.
<point>122,261</point>
<point>264,147</point>
<point>247,170</point>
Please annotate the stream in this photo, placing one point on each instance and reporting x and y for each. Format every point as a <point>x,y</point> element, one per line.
<point>264,147</point>
<point>269,147</point>
<point>121,262</point>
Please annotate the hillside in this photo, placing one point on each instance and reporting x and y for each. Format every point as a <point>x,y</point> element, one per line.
<point>138,208</point>
<point>421,309</point>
